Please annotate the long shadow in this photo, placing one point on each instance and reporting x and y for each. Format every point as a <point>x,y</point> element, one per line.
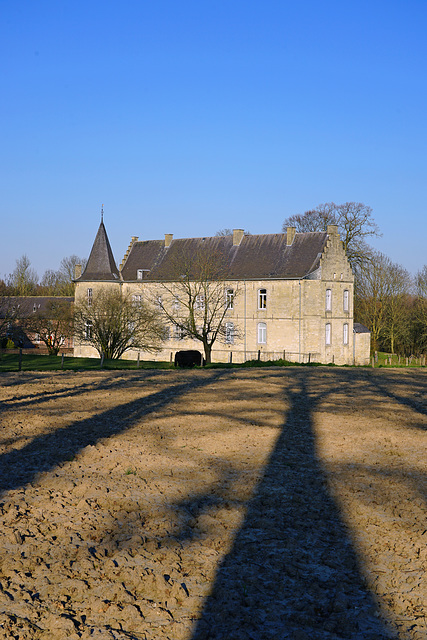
<point>20,466</point>
<point>105,383</point>
<point>383,384</point>
<point>292,571</point>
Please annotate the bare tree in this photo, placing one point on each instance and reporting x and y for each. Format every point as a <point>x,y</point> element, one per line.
<point>197,300</point>
<point>23,278</point>
<point>66,273</point>
<point>9,309</point>
<point>355,224</point>
<point>50,283</point>
<point>228,232</point>
<point>113,324</point>
<point>371,292</point>
<point>382,302</point>
<point>54,324</point>
<point>420,307</point>
<point>60,282</point>
<point>397,307</point>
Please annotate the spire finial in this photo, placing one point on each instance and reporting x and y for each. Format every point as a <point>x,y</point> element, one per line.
<point>102,213</point>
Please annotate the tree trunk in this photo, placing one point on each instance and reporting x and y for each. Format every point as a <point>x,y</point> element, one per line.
<point>208,351</point>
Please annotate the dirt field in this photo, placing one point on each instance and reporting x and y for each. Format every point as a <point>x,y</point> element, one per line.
<point>220,504</point>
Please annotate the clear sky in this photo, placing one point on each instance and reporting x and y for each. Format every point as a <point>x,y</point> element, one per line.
<point>188,116</point>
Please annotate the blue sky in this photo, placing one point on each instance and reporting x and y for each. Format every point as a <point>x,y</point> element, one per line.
<point>189,116</point>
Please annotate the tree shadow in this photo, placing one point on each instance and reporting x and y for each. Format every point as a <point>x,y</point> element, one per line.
<point>69,388</point>
<point>394,387</point>
<point>43,453</point>
<point>292,568</point>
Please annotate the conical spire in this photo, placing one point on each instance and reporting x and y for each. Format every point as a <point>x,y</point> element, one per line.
<point>101,264</point>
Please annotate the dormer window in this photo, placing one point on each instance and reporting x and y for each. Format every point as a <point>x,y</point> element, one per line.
<point>141,274</point>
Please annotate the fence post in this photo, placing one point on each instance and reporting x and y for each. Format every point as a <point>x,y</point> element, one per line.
<point>62,360</point>
<point>102,361</point>
<point>259,354</point>
<point>137,361</point>
<point>20,359</point>
<point>373,362</point>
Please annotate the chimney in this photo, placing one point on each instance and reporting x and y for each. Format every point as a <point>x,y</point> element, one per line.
<point>168,239</point>
<point>332,229</point>
<point>77,271</point>
<point>290,235</point>
<point>237,237</point>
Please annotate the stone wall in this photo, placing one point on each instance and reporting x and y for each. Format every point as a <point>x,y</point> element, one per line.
<point>293,317</point>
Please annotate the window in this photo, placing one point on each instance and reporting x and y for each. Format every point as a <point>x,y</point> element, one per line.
<point>131,329</point>
<point>176,304</point>
<point>328,301</point>
<point>345,334</point>
<point>136,298</point>
<point>229,333</point>
<point>328,336</point>
<point>89,297</point>
<point>262,333</point>
<point>262,298</point>
<point>229,298</point>
<point>159,302</point>
<point>88,330</point>
<point>345,300</point>
<point>199,302</point>
<point>178,333</point>
<point>142,273</point>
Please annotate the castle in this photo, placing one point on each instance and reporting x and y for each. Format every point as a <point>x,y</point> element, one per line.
<point>289,294</point>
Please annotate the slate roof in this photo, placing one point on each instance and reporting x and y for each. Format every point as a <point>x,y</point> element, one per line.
<point>360,328</point>
<point>100,265</point>
<point>256,257</point>
<point>27,305</point>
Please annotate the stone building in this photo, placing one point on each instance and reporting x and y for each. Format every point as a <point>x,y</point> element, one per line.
<point>25,319</point>
<point>290,294</point>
